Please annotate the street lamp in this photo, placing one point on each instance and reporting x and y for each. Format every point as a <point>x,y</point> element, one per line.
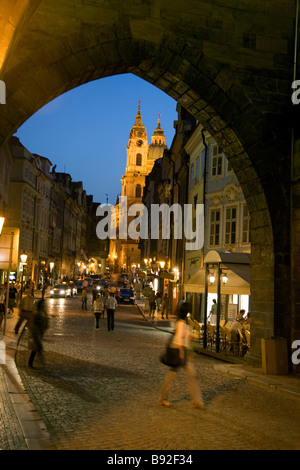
<point>23,258</point>
<point>224,278</point>
<point>51,265</point>
<point>2,220</point>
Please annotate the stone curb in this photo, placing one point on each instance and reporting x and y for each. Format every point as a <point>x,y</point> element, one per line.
<point>272,382</point>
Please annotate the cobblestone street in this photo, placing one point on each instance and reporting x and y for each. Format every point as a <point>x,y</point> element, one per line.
<point>99,390</point>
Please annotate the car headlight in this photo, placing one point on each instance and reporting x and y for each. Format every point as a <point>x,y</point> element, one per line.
<point>51,292</point>
<point>98,287</point>
<point>62,292</point>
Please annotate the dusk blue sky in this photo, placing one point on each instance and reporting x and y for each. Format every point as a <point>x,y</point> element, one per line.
<point>86,130</point>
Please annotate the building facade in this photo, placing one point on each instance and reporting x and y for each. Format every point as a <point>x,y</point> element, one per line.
<point>50,216</point>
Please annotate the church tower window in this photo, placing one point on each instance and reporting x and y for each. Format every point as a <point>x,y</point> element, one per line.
<point>138,191</point>
<point>138,159</point>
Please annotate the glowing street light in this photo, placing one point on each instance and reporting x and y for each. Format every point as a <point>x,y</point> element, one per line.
<point>2,219</point>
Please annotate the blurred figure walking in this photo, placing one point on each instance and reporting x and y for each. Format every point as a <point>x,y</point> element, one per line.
<point>26,309</point>
<point>182,341</point>
<point>37,326</point>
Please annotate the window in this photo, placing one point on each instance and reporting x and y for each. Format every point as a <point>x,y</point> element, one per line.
<point>192,169</point>
<point>197,171</point>
<point>138,159</point>
<point>246,225</point>
<point>202,165</point>
<point>217,161</point>
<point>229,167</point>
<point>192,176</point>
<point>230,226</point>
<point>214,228</point>
<point>138,191</point>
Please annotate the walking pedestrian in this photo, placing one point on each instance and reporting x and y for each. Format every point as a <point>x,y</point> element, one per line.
<point>182,341</point>
<point>2,304</point>
<point>84,298</point>
<point>165,306</point>
<point>152,304</point>
<point>37,326</point>
<point>26,309</point>
<point>111,305</point>
<point>158,300</point>
<point>12,298</point>
<point>98,308</point>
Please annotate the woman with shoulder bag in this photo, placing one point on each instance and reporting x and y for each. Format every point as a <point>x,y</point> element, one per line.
<point>182,341</point>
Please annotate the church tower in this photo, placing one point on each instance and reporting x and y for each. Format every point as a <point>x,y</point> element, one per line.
<point>157,146</point>
<point>133,181</point>
<point>140,160</point>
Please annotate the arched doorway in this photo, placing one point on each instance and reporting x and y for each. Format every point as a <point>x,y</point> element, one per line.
<point>206,59</point>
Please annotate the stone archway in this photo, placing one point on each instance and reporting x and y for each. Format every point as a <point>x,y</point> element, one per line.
<point>229,66</point>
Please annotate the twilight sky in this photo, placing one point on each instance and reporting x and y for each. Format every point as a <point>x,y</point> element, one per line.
<point>85,132</point>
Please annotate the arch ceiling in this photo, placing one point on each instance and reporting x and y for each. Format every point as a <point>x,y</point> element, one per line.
<point>228,62</point>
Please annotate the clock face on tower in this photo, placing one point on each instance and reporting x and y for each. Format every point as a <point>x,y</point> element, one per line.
<point>139,143</point>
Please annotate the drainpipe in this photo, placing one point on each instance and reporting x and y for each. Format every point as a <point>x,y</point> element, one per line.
<point>293,141</point>
<point>205,267</point>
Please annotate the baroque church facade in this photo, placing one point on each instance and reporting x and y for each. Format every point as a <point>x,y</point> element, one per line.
<point>124,252</point>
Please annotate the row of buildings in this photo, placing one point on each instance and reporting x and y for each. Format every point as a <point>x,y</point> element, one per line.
<point>48,218</point>
<point>193,172</point>
<point>52,220</point>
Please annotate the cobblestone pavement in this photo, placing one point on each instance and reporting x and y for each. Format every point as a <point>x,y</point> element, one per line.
<point>99,390</point>
<point>11,433</point>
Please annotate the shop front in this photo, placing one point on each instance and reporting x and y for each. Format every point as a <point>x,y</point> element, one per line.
<point>219,291</point>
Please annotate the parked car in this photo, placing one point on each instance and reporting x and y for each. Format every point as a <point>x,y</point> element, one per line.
<point>61,290</point>
<point>126,296</point>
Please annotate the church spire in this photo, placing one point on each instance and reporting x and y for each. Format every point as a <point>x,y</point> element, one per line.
<point>138,130</point>
<point>158,137</point>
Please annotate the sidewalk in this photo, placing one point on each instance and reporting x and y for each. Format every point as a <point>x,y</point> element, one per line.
<point>19,410</point>
<point>287,384</point>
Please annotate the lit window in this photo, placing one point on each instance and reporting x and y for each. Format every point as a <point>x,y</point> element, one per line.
<point>230,225</point>
<point>246,225</point>
<point>214,228</point>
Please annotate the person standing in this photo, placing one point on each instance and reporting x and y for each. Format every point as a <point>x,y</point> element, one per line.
<point>165,307</point>
<point>98,308</point>
<point>111,305</point>
<point>37,326</point>
<point>26,309</point>
<point>182,341</point>
<point>84,298</point>
<point>152,304</point>
<point>213,313</point>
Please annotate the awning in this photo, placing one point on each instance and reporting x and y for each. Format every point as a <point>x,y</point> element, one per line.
<point>239,263</point>
<point>238,273</point>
